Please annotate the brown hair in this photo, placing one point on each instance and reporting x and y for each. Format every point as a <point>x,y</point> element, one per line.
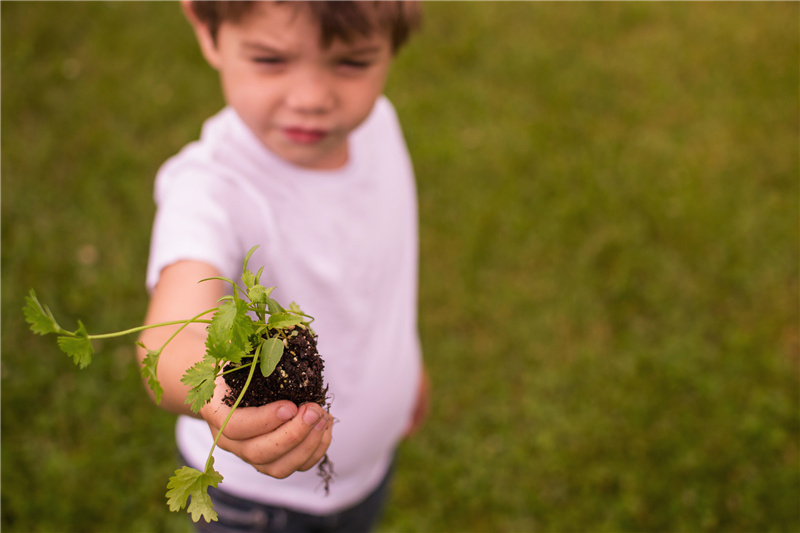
<point>337,19</point>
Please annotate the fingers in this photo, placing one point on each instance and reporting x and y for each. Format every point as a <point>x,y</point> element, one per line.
<point>301,454</point>
<point>253,421</point>
<point>322,449</point>
<point>296,438</point>
<point>274,446</point>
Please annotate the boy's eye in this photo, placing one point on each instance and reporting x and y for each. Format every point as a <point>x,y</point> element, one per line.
<point>354,64</point>
<point>269,60</point>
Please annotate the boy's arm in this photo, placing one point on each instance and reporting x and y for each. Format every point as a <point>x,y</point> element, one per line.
<point>177,296</point>
<point>278,438</point>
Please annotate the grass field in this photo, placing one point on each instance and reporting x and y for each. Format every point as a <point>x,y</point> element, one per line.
<point>609,276</point>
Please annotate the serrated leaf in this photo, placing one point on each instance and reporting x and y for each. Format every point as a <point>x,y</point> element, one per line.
<point>284,320</point>
<point>39,317</point>
<point>248,278</point>
<point>149,372</point>
<point>257,294</point>
<point>223,350</point>
<point>225,316</point>
<point>271,354</point>
<point>231,324</point>
<point>191,483</point>
<point>78,347</point>
<point>200,378</point>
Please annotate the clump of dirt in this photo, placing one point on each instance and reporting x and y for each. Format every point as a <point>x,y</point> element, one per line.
<point>297,378</point>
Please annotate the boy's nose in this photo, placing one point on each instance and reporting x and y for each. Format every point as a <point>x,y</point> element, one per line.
<point>310,94</point>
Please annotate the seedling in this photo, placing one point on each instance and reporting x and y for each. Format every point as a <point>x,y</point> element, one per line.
<point>237,344</point>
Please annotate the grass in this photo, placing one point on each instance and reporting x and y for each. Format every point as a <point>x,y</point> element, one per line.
<point>609,276</point>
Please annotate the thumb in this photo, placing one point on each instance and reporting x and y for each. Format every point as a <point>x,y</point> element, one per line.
<point>253,421</point>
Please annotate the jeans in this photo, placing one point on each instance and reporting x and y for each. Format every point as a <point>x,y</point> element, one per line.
<point>237,515</point>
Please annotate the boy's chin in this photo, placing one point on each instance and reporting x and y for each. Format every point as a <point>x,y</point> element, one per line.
<point>322,160</point>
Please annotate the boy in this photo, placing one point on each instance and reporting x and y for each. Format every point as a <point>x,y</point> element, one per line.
<point>308,161</point>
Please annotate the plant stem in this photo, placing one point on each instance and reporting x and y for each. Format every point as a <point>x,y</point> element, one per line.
<point>237,368</point>
<point>194,319</point>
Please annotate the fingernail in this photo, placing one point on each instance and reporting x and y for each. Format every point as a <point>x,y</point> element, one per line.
<point>285,412</point>
<point>321,425</point>
<point>311,416</point>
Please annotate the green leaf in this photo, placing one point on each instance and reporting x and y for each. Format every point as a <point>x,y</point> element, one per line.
<point>191,483</point>
<point>227,280</point>
<point>200,378</point>
<point>274,307</point>
<point>271,354</point>
<point>284,320</point>
<point>149,372</point>
<point>258,294</point>
<point>78,347</point>
<point>248,256</point>
<point>231,324</point>
<point>40,318</point>
<point>248,278</point>
<point>226,315</point>
<point>294,308</point>
<point>223,350</point>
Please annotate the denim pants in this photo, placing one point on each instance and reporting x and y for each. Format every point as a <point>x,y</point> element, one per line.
<point>237,515</point>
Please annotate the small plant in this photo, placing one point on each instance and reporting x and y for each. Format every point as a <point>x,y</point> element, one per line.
<point>237,344</point>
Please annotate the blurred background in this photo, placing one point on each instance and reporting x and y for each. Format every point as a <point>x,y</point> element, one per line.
<point>609,269</point>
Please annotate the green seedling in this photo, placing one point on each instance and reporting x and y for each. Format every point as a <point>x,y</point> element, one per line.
<point>233,334</point>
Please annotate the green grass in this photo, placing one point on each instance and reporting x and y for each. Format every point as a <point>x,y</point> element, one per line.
<point>609,276</point>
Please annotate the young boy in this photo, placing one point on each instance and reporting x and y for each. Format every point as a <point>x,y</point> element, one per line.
<point>308,161</point>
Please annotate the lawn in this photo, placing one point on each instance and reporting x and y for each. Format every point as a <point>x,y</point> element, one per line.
<point>609,301</point>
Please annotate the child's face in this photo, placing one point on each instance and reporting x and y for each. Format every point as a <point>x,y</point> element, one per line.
<point>300,99</point>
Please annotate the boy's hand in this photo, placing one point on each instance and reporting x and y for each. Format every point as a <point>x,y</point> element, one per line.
<point>277,439</point>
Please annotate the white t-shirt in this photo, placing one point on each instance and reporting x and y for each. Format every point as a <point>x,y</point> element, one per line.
<point>343,245</point>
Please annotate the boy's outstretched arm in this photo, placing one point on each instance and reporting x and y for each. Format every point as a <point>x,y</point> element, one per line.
<point>177,296</point>
<point>278,438</point>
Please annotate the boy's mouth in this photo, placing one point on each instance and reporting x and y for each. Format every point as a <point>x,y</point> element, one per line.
<point>304,136</point>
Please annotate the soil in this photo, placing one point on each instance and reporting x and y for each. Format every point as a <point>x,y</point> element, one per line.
<point>297,378</point>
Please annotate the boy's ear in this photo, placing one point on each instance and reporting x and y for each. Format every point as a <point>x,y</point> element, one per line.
<point>208,45</point>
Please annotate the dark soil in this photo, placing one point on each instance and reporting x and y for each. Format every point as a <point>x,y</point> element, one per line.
<point>297,378</point>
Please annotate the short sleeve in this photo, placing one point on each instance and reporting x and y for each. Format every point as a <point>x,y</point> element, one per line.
<point>192,222</point>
